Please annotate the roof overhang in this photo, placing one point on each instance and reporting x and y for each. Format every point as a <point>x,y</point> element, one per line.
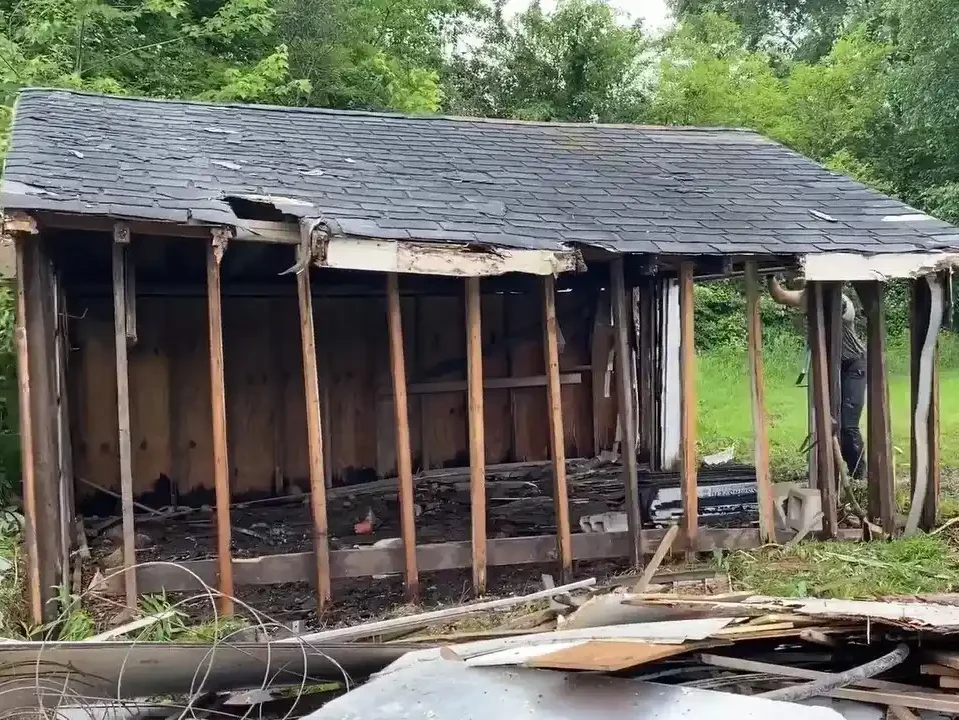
<point>845,266</point>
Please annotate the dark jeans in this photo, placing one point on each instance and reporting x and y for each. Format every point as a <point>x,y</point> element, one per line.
<point>852,381</point>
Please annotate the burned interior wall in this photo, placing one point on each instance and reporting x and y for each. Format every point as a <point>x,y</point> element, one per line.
<point>266,417</point>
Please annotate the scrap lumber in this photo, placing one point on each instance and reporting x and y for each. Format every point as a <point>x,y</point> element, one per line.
<point>132,626</point>
<point>664,547</point>
<point>375,628</point>
<point>880,692</point>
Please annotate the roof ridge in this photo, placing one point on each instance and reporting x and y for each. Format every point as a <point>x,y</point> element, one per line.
<point>41,90</point>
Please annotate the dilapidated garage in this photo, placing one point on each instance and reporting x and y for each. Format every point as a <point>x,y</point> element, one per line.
<point>227,304</point>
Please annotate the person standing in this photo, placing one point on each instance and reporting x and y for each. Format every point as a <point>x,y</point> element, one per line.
<point>852,376</point>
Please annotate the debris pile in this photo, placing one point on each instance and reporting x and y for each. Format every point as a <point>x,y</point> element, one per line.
<point>668,643</point>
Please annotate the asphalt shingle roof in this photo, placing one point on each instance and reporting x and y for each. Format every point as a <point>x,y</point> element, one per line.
<point>532,185</point>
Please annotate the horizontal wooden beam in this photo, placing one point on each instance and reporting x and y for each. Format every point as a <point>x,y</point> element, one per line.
<point>364,562</point>
<point>441,386</point>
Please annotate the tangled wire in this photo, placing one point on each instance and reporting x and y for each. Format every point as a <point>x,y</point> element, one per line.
<point>42,689</point>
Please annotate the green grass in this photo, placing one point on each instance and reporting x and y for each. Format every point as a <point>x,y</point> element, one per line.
<point>725,413</point>
<point>834,569</point>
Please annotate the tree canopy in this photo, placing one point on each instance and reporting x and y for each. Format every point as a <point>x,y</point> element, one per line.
<point>867,87</point>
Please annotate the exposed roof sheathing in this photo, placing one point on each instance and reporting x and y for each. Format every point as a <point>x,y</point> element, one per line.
<point>510,184</point>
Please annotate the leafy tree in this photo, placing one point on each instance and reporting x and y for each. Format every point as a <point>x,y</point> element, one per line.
<point>374,54</point>
<point>798,29</point>
<point>575,64</point>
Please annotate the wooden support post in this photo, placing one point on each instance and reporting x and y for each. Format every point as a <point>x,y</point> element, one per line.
<point>121,240</point>
<point>918,325</point>
<point>404,464</point>
<point>221,458</point>
<point>556,439</point>
<point>314,424</point>
<point>880,466</point>
<point>832,315</point>
<point>687,370</point>
<point>826,468</point>
<point>474,357</point>
<point>27,449</point>
<point>648,414</point>
<point>767,518</point>
<point>624,402</point>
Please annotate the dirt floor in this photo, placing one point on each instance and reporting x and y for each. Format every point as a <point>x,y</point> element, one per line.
<point>519,503</point>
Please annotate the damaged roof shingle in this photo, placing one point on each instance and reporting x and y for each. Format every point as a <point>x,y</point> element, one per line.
<point>526,185</point>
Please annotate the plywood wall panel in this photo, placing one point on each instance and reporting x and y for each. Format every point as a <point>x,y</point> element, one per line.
<point>149,363</point>
<point>442,356</point>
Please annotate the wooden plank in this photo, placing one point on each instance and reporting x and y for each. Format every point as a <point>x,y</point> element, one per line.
<point>647,410</point>
<point>41,331</point>
<point>314,435</point>
<point>665,545</point>
<point>221,453</point>
<point>501,552</point>
<point>885,693</point>
<point>121,240</point>
<point>832,315</point>
<point>880,467</point>
<point>404,464</point>
<point>622,321</point>
<point>557,440</point>
<point>767,518</point>
<point>687,370</point>
<point>490,383</point>
<point>935,669</point>
<point>64,435</point>
<point>826,469</point>
<point>609,655</point>
<point>27,449</point>
<point>474,364</point>
<point>920,301</point>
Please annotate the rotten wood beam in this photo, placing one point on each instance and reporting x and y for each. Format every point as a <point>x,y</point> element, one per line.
<point>764,485</point>
<point>556,438</point>
<point>432,557</point>
<point>314,424</point>
<point>920,305</point>
<point>474,351</point>
<point>624,401</point>
<point>27,449</point>
<point>121,240</point>
<point>221,456</point>
<point>825,461</point>
<point>687,372</point>
<point>404,464</point>
<point>881,464</point>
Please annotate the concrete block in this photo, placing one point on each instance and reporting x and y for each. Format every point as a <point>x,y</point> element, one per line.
<point>802,505</point>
